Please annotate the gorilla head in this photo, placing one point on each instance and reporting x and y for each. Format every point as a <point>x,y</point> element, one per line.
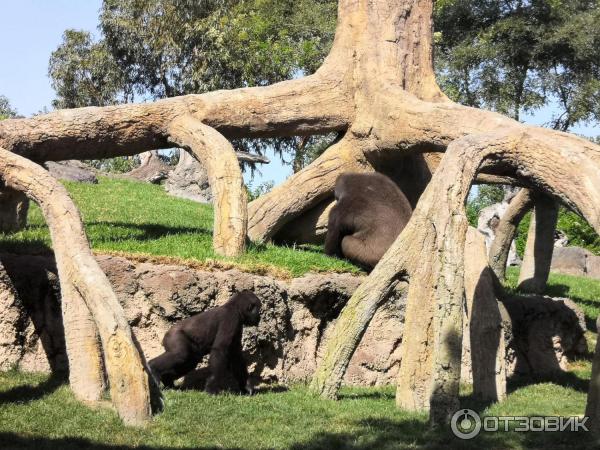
<point>248,305</point>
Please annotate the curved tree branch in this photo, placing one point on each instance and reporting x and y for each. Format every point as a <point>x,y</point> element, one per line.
<point>217,155</point>
<point>311,105</point>
<point>506,231</point>
<point>305,189</point>
<point>81,281</point>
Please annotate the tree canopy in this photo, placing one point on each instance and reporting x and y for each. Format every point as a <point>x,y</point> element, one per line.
<point>157,48</point>
<point>519,55</point>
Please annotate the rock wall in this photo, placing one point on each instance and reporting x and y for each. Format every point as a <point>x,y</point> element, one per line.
<point>298,315</point>
<point>575,261</point>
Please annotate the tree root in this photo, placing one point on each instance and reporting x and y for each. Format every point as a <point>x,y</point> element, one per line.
<point>217,155</point>
<point>429,253</point>
<point>85,289</point>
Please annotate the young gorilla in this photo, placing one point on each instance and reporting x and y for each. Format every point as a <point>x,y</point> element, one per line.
<point>370,213</point>
<point>217,331</point>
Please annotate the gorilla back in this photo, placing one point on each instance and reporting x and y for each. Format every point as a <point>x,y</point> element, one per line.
<point>370,213</point>
<point>217,332</point>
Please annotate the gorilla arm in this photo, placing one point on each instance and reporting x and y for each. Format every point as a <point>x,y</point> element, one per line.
<point>220,352</point>
<point>333,238</point>
<point>238,365</point>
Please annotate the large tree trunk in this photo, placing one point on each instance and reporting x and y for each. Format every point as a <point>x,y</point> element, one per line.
<point>377,88</point>
<point>540,246</point>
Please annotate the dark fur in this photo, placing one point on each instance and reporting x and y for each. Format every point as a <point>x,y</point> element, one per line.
<point>370,213</point>
<point>217,331</point>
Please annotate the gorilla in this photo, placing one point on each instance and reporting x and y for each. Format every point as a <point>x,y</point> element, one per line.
<point>370,213</point>
<point>217,331</point>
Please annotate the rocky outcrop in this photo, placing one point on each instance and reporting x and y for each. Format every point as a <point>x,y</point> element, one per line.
<point>72,170</point>
<point>542,334</point>
<point>298,315</point>
<point>575,261</point>
<point>189,180</point>
<point>152,168</point>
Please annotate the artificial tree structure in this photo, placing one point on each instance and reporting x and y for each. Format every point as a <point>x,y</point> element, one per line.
<point>377,89</point>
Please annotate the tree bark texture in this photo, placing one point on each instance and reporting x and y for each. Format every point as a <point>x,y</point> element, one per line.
<point>89,303</point>
<point>507,230</point>
<point>540,246</point>
<point>13,210</point>
<point>482,328</point>
<point>377,89</point>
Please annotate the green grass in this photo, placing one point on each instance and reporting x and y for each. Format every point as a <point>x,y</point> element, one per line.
<point>133,217</point>
<point>584,291</point>
<point>37,413</point>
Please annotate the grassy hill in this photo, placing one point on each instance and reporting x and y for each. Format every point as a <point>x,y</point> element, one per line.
<point>133,217</point>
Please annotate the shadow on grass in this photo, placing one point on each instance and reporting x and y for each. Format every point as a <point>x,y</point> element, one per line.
<point>14,441</point>
<point>28,393</point>
<point>562,290</point>
<point>565,379</point>
<point>373,433</point>
<point>28,247</point>
<point>146,231</point>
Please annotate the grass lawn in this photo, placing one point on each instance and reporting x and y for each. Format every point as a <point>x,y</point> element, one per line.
<point>37,412</point>
<point>135,217</point>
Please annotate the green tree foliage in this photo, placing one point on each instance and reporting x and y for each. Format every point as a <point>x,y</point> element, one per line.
<point>519,55</point>
<point>164,48</point>
<point>6,110</point>
<point>180,47</point>
<point>483,196</point>
<point>84,73</point>
<point>516,56</point>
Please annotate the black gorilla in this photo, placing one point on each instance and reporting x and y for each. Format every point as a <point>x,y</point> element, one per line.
<point>218,332</point>
<point>370,213</point>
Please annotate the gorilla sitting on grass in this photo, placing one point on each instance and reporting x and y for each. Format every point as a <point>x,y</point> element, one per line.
<point>217,332</point>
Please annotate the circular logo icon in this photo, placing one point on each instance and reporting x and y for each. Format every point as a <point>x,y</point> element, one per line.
<point>465,424</point>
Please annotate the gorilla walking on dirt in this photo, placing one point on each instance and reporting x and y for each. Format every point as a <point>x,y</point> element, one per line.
<point>370,213</point>
<point>217,331</point>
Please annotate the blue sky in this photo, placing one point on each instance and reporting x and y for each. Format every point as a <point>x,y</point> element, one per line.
<point>31,29</point>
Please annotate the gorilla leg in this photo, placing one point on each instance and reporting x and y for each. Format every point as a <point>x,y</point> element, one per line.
<point>356,251</point>
<point>176,361</point>
<point>238,368</point>
<point>217,366</point>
